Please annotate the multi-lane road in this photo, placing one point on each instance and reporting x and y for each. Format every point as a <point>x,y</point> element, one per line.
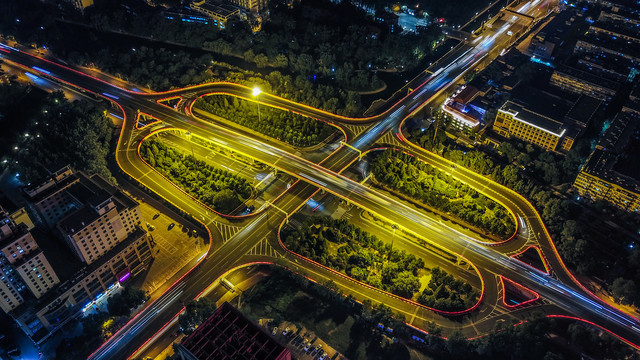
<point>562,290</point>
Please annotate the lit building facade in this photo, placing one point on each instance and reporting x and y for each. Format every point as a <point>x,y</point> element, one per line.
<point>106,217</point>
<point>22,264</point>
<point>598,178</point>
<point>515,120</point>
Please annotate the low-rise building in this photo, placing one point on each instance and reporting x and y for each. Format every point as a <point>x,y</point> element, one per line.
<point>599,178</point>
<point>229,335</point>
<point>219,13</point>
<point>549,118</point>
<point>581,82</point>
<point>516,120</point>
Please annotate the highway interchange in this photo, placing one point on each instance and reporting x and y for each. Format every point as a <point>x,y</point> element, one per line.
<point>561,293</point>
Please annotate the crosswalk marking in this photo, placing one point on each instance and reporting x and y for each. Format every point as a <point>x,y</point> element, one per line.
<point>227,231</point>
<point>263,248</point>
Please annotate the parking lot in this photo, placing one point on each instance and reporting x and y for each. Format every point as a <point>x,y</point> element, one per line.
<point>303,343</point>
<point>175,247</point>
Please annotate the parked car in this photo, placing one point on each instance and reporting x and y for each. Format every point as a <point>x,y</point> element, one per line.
<point>275,330</point>
<point>171,226</point>
<point>286,331</point>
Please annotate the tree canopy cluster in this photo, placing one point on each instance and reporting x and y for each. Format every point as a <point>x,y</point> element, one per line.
<point>432,187</point>
<point>62,132</point>
<point>195,313</point>
<point>334,43</point>
<point>342,246</point>
<point>446,293</point>
<point>174,57</point>
<point>123,302</point>
<point>531,172</point>
<point>287,126</point>
<point>219,189</point>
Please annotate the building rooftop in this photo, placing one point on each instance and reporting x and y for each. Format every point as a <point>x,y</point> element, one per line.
<point>603,159</point>
<point>556,30</point>
<point>229,335</point>
<point>608,66</point>
<point>620,28</point>
<point>40,192</point>
<point>582,110</point>
<point>621,46</point>
<point>92,192</point>
<point>534,119</point>
<point>547,101</point>
<point>219,9</point>
<point>79,272</point>
<point>587,77</point>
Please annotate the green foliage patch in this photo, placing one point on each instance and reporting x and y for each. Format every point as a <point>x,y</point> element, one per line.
<point>219,189</point>
<point>346,248</point>
<point>287,126</point>
<point>428,185</point>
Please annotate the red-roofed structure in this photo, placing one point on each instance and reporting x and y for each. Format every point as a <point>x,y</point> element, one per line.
<point>229,335</point>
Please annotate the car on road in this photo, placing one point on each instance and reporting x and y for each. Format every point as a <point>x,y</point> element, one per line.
<point>171,226</point>
<point>156,216</point>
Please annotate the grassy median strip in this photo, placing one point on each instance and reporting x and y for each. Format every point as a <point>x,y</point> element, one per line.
<point>219,189</point>
<point>286,126</point>
<point>346,248</point>
<point>430,187</point>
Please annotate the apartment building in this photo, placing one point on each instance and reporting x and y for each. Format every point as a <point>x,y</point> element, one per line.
<point>23,265</point>
<point>101,216</point>
<point>49,198</point>
<point>89,284</point>
<point>578,81</point>
<point>600,177</point>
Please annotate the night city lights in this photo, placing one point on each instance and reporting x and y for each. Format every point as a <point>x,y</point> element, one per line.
<point>319,179</point>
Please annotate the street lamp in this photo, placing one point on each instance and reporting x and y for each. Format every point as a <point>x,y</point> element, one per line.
<point>394,227</point>
<point>256,91</point>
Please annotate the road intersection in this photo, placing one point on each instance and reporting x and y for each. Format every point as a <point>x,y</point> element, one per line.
<point>561,293</point>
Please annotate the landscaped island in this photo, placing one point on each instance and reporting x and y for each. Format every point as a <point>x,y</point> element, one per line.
<point>219,189</point>
<point>346,248</point>
<point>429,186</point>
<point>287,126</point>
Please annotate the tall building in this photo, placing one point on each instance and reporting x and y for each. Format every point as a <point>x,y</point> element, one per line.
<point>100,225</point>
<point>229,335</point>
<point>49,198</point>
<point>91,214</point>
<point>87,285</point>
<point>23,265</point>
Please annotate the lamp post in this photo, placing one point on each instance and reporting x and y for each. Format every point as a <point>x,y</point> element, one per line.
<point>393,237</point>
<point>256,91</point>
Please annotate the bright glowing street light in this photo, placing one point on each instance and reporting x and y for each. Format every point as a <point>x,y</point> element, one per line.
<point>256,91</point>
